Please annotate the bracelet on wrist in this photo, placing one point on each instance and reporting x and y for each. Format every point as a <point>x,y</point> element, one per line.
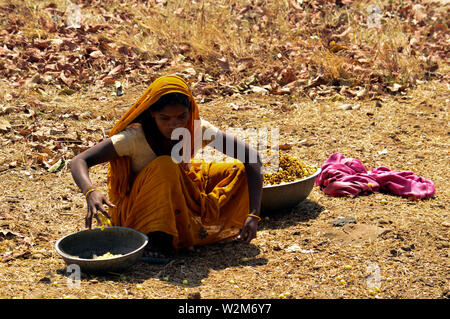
<point>256,216</point>
<point>89,191</point>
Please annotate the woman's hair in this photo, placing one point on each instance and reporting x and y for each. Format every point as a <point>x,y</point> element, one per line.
<point>171,99</point>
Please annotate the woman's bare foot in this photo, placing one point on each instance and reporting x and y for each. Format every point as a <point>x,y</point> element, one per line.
<point>159,245</point>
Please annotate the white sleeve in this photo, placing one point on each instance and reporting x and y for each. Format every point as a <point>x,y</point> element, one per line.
<point>209,132</point>
<point>125,141</point>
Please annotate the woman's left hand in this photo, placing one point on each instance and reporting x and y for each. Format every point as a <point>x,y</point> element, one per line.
<point>248,231</point>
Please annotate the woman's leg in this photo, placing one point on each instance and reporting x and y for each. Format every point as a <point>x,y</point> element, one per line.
<point>226,201</point>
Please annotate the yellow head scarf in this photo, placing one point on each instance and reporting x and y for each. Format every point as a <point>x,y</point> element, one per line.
<point>119,172</point>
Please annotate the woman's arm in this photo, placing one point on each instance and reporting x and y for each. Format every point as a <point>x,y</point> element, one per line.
<point>79,166</point>
<point>231,146</point>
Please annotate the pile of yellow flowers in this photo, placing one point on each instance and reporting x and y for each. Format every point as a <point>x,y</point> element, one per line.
<point>290,169</point>
<point>107,255</point>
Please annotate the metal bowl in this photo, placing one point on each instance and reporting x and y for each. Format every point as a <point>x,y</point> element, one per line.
<point>287,195</point>
<point>79,248</point>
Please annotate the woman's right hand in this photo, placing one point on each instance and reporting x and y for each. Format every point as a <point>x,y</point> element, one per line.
<point>95,201</point>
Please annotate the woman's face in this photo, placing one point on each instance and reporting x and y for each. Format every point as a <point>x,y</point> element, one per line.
<point>170,118</point>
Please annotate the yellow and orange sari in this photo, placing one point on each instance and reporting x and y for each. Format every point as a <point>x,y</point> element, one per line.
<point>197,204</point>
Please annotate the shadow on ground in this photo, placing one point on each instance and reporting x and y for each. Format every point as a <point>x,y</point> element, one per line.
<point>194,266</point>
<point>303,212</point>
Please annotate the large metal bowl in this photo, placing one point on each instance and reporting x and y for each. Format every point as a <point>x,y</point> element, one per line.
<point>79,248</point>
<point>287,195</point>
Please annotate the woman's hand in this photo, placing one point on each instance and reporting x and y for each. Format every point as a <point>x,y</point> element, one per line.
<point>248,231</point>
<point>95,201</point>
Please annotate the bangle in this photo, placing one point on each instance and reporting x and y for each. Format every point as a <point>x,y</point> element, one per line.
<point>256,216</point>
<point>91,190</point>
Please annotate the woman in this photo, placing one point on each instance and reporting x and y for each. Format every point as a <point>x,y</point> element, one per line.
<point>177,204</point>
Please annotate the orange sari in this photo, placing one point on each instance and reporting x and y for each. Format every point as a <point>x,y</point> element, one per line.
<point>197,205</point>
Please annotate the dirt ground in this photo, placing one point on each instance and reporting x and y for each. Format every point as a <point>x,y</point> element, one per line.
<point>405,242</point>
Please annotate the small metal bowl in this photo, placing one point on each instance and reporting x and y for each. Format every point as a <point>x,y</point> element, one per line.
<point>79,248</point>
<point>287,195</point>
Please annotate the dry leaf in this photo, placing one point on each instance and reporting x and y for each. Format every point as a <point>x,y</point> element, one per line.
<point>397,87</point>
<point>224,64</point>
<point>96,54</point>
<point>5,126</point>
<point>57,166</point>
<point>285,147</point>
<point>6,110</point>
<point>116,70</point>
<point>7,234</point>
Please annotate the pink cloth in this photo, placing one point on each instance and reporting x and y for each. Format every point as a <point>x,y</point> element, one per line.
<point>341,176</point>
